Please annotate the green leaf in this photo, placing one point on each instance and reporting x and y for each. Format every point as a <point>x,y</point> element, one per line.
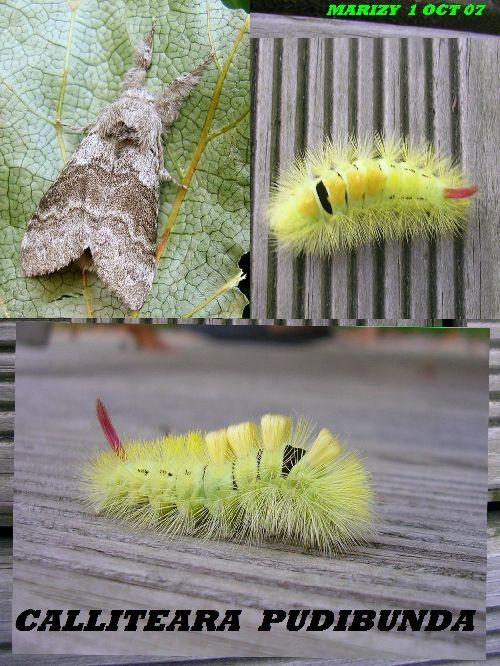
<point>64,60</point>
<point>237,4</point>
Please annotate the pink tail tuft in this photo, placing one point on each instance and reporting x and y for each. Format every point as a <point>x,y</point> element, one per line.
<point>459,192</point>
<point>108,430</point>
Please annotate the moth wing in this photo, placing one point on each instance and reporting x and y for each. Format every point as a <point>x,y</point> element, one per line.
<point>55,233</point>
<point>98,204</point>
<point>123,243</point>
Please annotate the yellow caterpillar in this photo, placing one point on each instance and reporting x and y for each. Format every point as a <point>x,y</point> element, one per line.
<point>247,482</point>
<point>337,198</point>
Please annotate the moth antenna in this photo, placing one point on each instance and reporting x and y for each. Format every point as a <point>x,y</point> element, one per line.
<point>108,430</point>
<point>459,192</point>
<point>143,57</point>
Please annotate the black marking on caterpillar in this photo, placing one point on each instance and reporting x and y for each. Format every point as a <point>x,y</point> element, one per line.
<point>323,197</point>
<point>291,456</point>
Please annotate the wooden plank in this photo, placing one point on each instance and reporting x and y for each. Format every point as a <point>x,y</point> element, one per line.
<point>315,133</point>
<point>6,394</point>
<point>492,624</point>
<point>493,584</point>
<point>58,660</point>
<point>340,287</point>
<point>492,326</point>
<point>420,419</point>
<point>477,234</point>
<point>494,407</point>
<point>6,483</point>
<point>7,373</point>
<point>494,359</point>
<point>7,335</point>
<point>393,289</point>
<point>5,590</point>
<point>446,268</point>
<point>494,459</point>
<point>478,104</point>
<point>365,256</point>
<point>7,364</point>
<point>6,490</point>
<point>418,250</point>
<point>269,25</point>
<point>262,55</point>
<point>285,271</point>
<point>6,423</point>
<point>495,411</point>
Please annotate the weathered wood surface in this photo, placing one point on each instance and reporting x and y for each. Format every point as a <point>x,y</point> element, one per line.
<point>494,410</point>
<point>7,374</point>
<point>272,322</point>
<point>421,419</point>
<point>437,90</point>
<point>493,584</point>
<point>271,12</point>
<point>7,351</point>
<point>8,659</point>
<point>5,591</point>
<point>274,25</point>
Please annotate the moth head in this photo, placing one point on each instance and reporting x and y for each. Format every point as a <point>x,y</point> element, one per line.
<point>133,121</point>
<point>122,131</point>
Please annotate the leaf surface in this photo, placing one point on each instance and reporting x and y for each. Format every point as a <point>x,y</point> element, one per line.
<point>60,63</point>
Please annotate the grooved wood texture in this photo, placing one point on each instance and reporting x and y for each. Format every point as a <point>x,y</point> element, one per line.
<point>493,585</point>
<point>7,353</point>
<point>494,410</point>
<point>415,416</point>
<point>437,90</point>
<point>314,24</point>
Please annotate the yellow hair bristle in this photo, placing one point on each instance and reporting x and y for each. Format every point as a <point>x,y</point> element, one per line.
<point>324,449</point>
<point>217,445</point>
<point>275,430</point>
<point>243,438</point>
<point>249,483</point>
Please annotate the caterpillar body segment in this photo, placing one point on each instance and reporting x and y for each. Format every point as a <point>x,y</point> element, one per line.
<point>339,198</point>
<point>249,482</point>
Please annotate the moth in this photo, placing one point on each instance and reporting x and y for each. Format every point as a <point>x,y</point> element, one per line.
<point>340,197</point>
<point>102,211</point>
<point>251,482</point>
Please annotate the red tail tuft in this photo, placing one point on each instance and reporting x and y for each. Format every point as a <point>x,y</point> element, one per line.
<point>459,192</point>
<point>108,430</point>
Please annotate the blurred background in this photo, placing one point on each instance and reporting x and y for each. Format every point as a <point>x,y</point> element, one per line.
<point>156,379</point>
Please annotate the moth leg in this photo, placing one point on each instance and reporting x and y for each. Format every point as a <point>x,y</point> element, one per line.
<point>78,129</point>
<point>170,100</point>
<point>136,76</point>
<point>167,177</point>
